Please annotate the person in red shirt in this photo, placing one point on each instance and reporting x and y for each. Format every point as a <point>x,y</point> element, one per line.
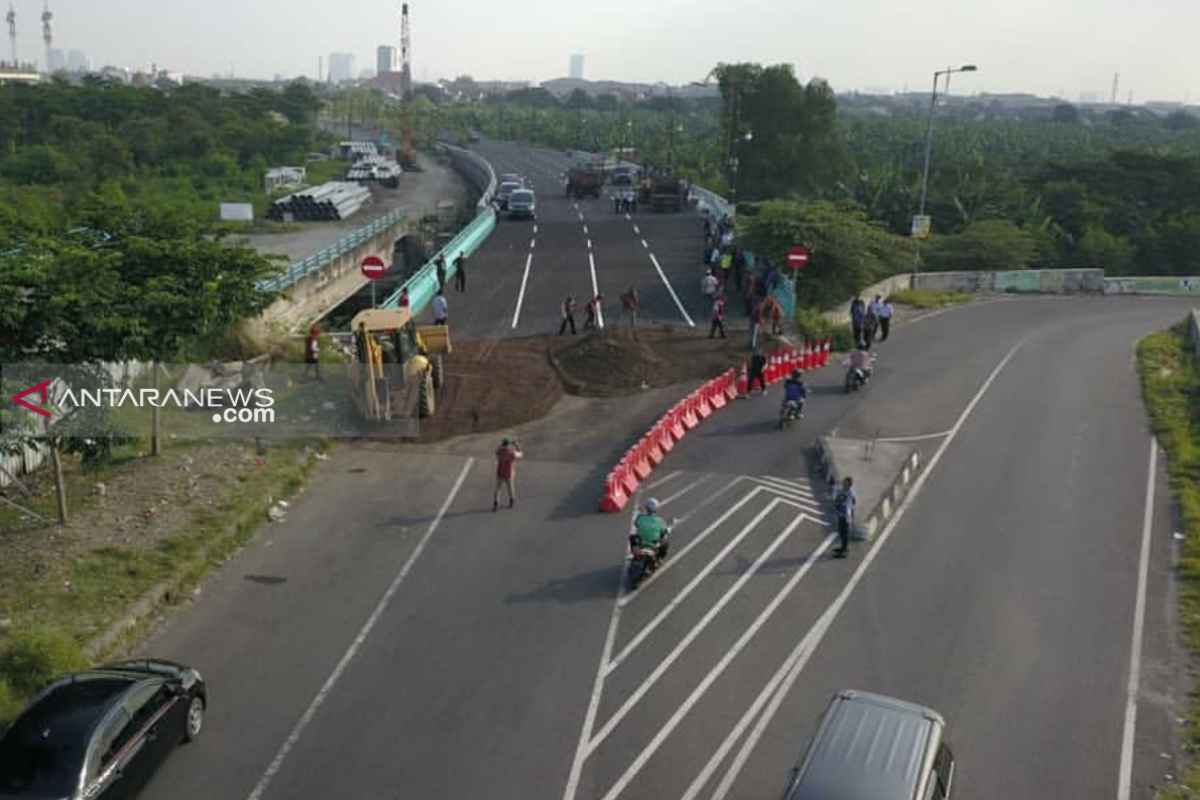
<point>506,471</point>
<point>718,317</point>
<point>312,352</point>
<point>403,298</point>
<point>593,312</point>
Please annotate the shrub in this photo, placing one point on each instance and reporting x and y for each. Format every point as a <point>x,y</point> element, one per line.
<point>37,656</point>
<point>813,325</point>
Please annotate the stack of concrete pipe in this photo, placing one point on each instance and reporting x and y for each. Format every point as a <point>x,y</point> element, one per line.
<point>329,201</point>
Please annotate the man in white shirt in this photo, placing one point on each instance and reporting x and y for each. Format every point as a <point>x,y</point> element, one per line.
<point>885,318</point>
<point>439,309</point>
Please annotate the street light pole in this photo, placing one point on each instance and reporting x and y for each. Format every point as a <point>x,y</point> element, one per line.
<point>929,152</point>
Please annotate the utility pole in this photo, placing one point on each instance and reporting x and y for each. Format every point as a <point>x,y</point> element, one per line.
<point>1116,85</point>
<point>12,35</point>
<point>47,37</point>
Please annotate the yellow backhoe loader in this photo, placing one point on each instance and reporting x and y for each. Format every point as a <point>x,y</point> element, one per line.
<point>398,364</point>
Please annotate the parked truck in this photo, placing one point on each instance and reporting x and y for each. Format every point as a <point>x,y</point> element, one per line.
<point>666,193</point>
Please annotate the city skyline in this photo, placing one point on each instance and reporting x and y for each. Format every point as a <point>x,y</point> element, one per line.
<point>1064,55</point>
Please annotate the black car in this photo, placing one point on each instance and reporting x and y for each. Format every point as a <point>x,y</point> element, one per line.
<point>101,734</point>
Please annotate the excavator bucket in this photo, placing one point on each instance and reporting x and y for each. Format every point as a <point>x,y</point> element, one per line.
<point>434,338</point>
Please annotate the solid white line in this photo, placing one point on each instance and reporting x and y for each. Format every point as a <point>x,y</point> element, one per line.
<point>669,476</point>
<point>712,498</point>
<point>691,586</point>
<point>644,244</point>
<point>684,490</point>
<point>309,713</point>
<point>781,683</point>
<point>521,294</point>
<point>596,291</point>
<point>1125,776</point>
<point>649,750</point>
<point>937,435</point>
<point>589,243</point>
<point>670,289</point>
<point>700,537</point>
<point>597,690</point>
<point>788,486</point>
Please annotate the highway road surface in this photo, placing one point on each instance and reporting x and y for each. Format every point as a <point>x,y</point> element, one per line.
<point>518,280</point>
<point>395,638</point>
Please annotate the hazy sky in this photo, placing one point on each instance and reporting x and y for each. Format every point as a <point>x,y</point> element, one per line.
<point>1043,46</point>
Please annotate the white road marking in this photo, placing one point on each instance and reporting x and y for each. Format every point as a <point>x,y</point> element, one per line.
<point>668,477</point>
<point>696,580</point>
<point>684,490</point>
<point>627,217</point>
<point>589,244</point>
<point>781,683</point>
<point>532,243</point>
<point>645,245</point>
<point>800,489</point>
<point>637,230</point>
<point>309,713</point>
<point>1125,776</point>
<point>671,290</point>
<point>650,749</point>
<point>585,230</point>
<point>581,215</point>
<point>521,294</point>
<point>589,722</point>
<point>535,228</point>
<point>922,438</point>
<point>596,291</point>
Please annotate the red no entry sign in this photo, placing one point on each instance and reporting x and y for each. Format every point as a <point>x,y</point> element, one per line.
<point>373,267</point>
<point>797,258</point>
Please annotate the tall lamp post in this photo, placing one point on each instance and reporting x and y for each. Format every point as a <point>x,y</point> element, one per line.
<point>929,152</point>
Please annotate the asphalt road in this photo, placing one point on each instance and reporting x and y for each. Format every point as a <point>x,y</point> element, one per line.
<point>519,279</point>
<point>395,638</point>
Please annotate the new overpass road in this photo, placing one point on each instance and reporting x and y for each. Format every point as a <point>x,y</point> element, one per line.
<point>395,638</point>
<point>518,280</point>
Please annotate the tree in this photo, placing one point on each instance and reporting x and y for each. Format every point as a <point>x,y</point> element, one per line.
<point>847,251</point>
<point>783,135</point>
<point>1099,248</point>
<point>989,245</point>
<point>1065,113</point>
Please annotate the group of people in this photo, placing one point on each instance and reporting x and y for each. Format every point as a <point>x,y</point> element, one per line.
<point>869,319</point>
<point>593,308</point>
<point>625,200</point>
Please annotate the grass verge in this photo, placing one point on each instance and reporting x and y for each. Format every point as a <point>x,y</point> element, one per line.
<point>812,325</point>
<point>55,613</point>
<point>929,298</point>
<point>1171,388</point>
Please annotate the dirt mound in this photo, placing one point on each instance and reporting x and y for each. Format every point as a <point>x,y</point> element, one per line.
<point>624,360</point>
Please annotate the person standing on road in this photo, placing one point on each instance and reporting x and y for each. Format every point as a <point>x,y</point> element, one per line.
<point>404,301</point>
<point>441,273</point>
<point>857,312</point>
<point>631,303</point>
<point>756,315</point>
<point>440,308</point>
<point>312,353</point>
<point>843,505</point>
<point>507,456</point>
<point>593,312</point>
<point>726,267</point>
<point>568,315</point>
<point>870,324</point>
<point>460,273</point>
<point>708,287</point>
<point>718,317</point>
<point>885,318</point>
<point>758,363</point>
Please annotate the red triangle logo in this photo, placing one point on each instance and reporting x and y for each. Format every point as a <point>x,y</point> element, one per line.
<point>40,388</point>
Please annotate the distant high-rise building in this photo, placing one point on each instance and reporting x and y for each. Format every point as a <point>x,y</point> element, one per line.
<point>77,61</point>
<point>385,59</point>
<point>342,67</point>
<point>58,59</point>
<point>576,70</point>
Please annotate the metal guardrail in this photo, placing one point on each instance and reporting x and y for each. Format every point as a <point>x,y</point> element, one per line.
<point>423,285</point>
<point>323,257</point>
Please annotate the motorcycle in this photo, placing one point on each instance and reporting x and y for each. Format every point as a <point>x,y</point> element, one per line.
<point>644,559</point>
<point>791,411</point>
<point>857,377</point>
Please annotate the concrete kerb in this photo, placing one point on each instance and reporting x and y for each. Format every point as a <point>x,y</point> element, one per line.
<point>882,472</point>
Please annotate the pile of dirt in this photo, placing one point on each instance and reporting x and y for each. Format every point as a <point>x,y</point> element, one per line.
<point>491,385</point>
<point>620,361</point>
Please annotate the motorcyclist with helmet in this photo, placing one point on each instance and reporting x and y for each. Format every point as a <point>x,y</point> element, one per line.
<point>651,530</point>
<point>795,392</point>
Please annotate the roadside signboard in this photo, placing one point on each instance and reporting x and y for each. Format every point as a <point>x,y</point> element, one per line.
<point>373,267</point>
<point>921,226</point>
<point>797,258</point>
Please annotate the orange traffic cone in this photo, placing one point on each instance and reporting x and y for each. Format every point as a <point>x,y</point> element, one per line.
<point>743,382</point>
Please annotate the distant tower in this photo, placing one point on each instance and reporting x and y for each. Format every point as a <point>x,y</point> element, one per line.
<point>405,54</point>
<point>12,34</point>
<point>321,69</point>
<point>47,37</point>
<point>1116,86</point>
<point>575,69</point>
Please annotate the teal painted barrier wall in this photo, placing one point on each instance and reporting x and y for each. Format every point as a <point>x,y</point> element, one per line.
<point>423,285</point>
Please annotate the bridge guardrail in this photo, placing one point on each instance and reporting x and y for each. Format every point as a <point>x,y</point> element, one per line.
<point>423,285</point>
<point>319,259</point>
